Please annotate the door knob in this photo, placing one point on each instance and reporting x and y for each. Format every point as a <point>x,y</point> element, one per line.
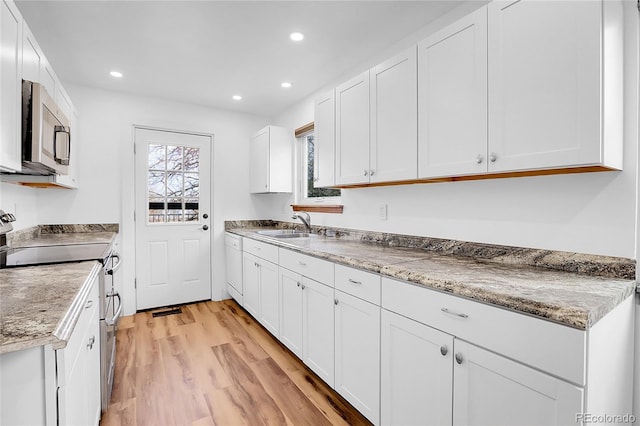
<point>205,227</point>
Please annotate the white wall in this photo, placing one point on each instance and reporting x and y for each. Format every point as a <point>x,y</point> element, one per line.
<point>105,170</point>
<point>22,202</point>
<point>590,213</point>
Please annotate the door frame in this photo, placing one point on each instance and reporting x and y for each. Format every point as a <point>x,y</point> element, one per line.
<point>133,200</point>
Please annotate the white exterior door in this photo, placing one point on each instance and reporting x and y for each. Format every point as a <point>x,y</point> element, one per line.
<point>173,203</point>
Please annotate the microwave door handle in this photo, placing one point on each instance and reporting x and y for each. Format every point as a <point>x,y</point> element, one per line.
<point>61,129</point>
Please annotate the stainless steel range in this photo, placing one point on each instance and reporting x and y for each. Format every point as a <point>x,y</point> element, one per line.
<point>110,301</point>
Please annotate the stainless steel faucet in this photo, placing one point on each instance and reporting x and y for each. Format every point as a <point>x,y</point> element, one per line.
<point>305,218</point>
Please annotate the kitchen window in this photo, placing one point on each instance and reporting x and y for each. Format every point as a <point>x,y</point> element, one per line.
<point>307,194</point>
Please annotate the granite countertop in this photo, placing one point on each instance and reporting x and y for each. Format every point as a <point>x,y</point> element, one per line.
<point>40,305</point>
<point>574,299</point>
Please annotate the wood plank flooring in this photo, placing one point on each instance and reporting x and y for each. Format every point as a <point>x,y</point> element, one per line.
<point>213,364</point>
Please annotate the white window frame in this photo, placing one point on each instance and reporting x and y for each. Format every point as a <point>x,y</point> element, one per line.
<point>301,169</point>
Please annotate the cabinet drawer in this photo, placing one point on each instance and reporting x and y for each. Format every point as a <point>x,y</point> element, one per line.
<point>77,341</point>
<point>311,267</point>
<point>364,285</point>
<point>233,241</point>
<point>260,249</point>
<point>554,348</point>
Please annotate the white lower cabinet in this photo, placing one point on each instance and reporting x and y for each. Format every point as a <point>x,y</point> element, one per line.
<point>416,373</point>
<point>491,389</point>
<point>307,321</point>
<point>357,353</point>
<point>431,378</point>
<point>260,285</point>
<point>318,328</point>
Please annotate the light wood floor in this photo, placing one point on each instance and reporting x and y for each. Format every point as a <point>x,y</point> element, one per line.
<point>214,364</point>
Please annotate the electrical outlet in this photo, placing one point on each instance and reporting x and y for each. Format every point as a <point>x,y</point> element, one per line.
<point>382,212</point>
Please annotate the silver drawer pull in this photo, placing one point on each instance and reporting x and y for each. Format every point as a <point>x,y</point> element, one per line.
<point>89,304</point>
<point>92,340</point>
<point>458,314</point>
<point>355,282</point>
<point>301,263</point>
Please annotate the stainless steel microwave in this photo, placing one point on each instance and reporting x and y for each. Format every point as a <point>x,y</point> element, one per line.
<point>46,136</point>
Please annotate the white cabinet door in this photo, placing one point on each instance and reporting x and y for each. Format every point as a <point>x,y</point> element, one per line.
<point>251,284</point>
<point>357,354</point>
<point>318,331</point>
<point>416,379</point>
<point>269,315</point>
<point>452,99</point>
<point>233,266</point>
<point>32,56</point>
<point>10,87</point>
<point>324,143</point>
<point>352,131</point>
<point>394,114</point>
<point>259,164</point>
<point>490,389</point>
<point>291,311</point>
<point>544,78</point>
<point>92,348</point>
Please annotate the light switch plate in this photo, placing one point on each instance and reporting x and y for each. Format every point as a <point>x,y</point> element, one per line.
<point>382,212</point>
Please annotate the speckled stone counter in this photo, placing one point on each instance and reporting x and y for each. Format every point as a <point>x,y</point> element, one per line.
<point>49,235</point>
<point>40,305</point>
<point>511,278</point>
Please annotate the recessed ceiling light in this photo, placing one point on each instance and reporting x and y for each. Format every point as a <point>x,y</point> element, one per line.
<point>116,74</point>
<point>296,36</point>
<point>285,84</point>
<point>237,97</point>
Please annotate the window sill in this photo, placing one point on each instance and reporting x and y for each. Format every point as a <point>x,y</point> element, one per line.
<point>319,208</point>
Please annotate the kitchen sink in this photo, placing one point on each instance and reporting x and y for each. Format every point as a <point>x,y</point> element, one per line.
<point>286,233</point>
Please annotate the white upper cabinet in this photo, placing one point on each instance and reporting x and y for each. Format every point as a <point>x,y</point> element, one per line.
<point>554,84</point>
<point>452,99</point>
<point>352,131</point>
<point>32,57</point>
<point>324,143</point>
<point>10,87</point>
<point>393,105</point>
<point>271,161</point>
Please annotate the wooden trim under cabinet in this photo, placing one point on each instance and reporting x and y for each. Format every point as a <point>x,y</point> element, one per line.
<point>320,208</point>
<point>304,129</point>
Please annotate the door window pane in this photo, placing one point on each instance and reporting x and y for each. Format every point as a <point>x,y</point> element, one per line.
<point>173,187</point>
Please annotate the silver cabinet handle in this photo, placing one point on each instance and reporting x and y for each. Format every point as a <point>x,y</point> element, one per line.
<point>372,172</point>
<point>92,340</point>
<point>366,172</point>
<point>301,263</point>
<point>493,157</point>
<point>298,283</point>
<point>458,314</point>
<point>205,227</point>
<point>303,286</point>
<point>444,350</point>
<point>89,304</point>
<point>336,301</point>
<point>355,282</point>
<point>459,358</point>
<point>479,159</point>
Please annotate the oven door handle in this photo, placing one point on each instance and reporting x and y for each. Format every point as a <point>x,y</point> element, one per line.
<point>115,267</point>
<point>116,316</point>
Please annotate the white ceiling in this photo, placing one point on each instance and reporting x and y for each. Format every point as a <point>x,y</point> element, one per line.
<point>203,52</point>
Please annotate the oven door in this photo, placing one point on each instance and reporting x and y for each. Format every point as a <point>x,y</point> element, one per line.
<point>112,304</point>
